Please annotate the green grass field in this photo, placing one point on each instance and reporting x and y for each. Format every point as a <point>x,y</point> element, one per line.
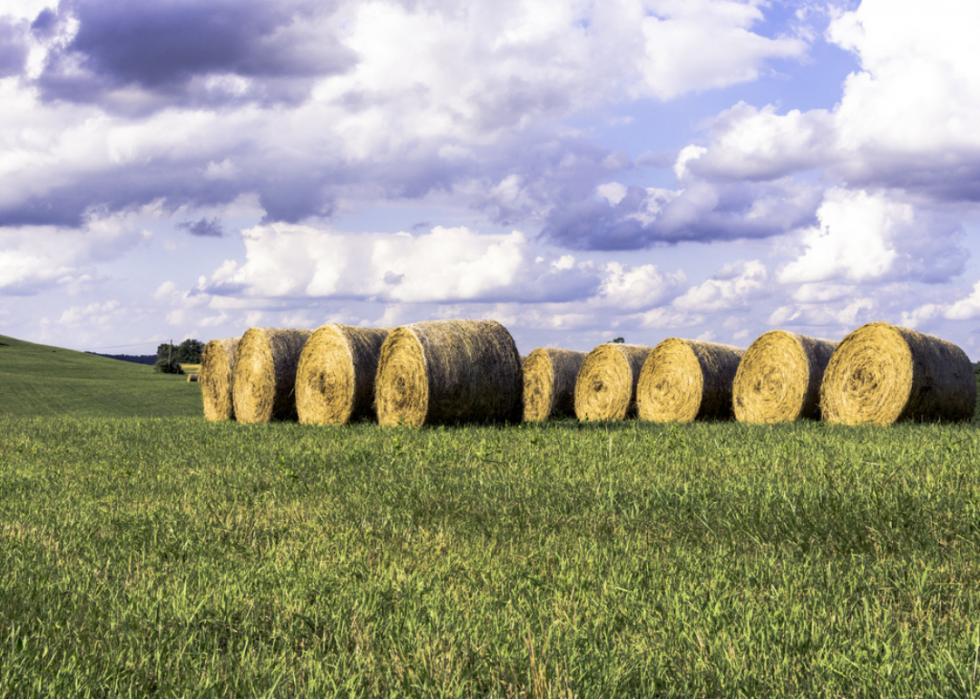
<point>171,557</point>
<point>45,381</point>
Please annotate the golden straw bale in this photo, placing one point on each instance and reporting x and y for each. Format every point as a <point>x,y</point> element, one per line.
<point>265,374</point>
<point>605,388</point>
<point>335,377</point>
<point>217,364</point>
<point>881,373</point>
<point>687,380</point>
<point>549,382</point>
<point>448,372</point>
<point>779,377</point>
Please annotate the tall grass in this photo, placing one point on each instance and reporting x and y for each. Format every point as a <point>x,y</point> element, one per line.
<point>178,558</point>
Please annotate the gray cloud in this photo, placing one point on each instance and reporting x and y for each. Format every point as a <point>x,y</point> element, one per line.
<point>13,48</point>
<point>205,227</point>
<point>67,210</point>
<point>73,203</point>
<point>168,50</point>
<point>547,171</point>
<point>165,81</point>
<point>700,212</point>
<point>45,25</point>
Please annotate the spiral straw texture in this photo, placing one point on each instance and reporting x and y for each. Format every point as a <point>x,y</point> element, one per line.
<point>687,380</point>
<point>882,373</point>
<point>265,374</point>
<point>605,388</point>
<point>549,382</point>
<point>335,376</point>
<point>217,363</point>
<point>448,372</point>
<point>778,378</point>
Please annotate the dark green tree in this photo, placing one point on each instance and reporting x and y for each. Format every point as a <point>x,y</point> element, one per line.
<point>189,351</point>
<point>619,341</point>
<point>164,366</point>
<point>170,357</point>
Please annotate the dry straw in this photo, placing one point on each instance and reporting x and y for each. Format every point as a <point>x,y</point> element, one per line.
<point>687,380</point>
<point>217,364</point>
<point>265,374</point>
<point>448,372</point>
<point>549,382</point>
<point>335,377</point>
<point>605,388</point>
<point>779,377</point>
<point>881,373</point>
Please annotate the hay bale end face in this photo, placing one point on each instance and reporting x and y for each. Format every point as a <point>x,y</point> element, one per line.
<point>687,380</point>
<point>882,373</point>
<point>448,372</point>
<point>265,374</point>
<point>549,382</point>
<point>335,376</point>
<point>605,388</point>
<point>779,376</point>
<point>217,363</point>
<point>192,378</point>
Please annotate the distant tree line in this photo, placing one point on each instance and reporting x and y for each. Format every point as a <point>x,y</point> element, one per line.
<point>135,358</point>
<point>170,357</point>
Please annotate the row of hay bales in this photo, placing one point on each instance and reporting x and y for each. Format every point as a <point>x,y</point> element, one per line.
<point>459,371</point>
<point>434,372</point>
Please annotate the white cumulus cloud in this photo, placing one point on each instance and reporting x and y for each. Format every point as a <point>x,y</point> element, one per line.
<point>733,286</point>
<point>905,120</point>
<point>865,236</point>
<point>444,265</point>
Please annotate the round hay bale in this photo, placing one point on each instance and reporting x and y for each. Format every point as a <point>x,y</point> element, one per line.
<point>448,372</point>
<point>191,377</point>
<point>778,379</point>
<point>549,382</point>
<point>265,374</point>
<point>687,380</point>
<point>881,373</point>
<point>335,376</point>
<point>217,363</point>
<point>605,388</point>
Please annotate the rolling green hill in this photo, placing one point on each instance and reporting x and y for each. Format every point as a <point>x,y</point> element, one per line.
<point>42,380</point>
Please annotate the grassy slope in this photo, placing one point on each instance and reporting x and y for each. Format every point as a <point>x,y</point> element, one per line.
<point>37,380</point>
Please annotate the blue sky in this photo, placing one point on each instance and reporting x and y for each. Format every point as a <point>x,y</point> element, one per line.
<point>577,170</point>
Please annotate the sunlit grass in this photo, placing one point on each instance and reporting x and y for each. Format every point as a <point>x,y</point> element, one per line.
<point>179,558</point>
<point>37,380</point>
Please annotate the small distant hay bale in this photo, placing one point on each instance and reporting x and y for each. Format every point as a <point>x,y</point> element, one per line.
<point>335,376</point>
<point>881,374</point>
<point>448,372</point>
<point>191,377</point>
<point>778,379</point>
<point>605,388</point>
<point>217,364</point>
<point>265,374</point>
<point>688,380</point>
<point>549,382</point>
